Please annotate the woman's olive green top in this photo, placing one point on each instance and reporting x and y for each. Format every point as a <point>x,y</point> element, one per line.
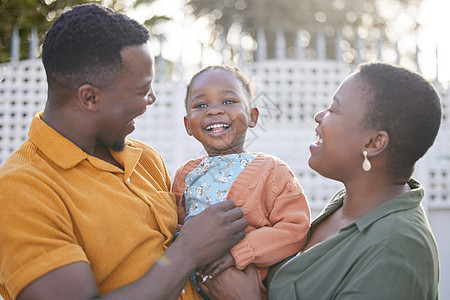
<point>389,253</point>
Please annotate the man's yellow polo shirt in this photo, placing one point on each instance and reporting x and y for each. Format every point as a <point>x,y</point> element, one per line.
<point>59,205</point>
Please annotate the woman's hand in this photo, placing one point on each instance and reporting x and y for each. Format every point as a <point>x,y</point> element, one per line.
<point>233,284</point>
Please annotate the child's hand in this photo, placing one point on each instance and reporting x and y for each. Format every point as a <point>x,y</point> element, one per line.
<point>217,267</point>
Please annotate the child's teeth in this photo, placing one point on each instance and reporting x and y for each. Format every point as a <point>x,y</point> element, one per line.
<point>216,126</point>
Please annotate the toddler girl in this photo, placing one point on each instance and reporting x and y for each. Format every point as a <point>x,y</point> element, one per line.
<point>219,110</point>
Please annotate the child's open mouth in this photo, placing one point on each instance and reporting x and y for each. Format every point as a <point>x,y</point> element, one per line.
<point>216,128</point>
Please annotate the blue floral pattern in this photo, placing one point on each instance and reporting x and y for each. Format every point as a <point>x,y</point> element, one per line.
<point>210,181</point>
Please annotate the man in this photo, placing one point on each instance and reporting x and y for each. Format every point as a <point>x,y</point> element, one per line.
<point>87,213</point>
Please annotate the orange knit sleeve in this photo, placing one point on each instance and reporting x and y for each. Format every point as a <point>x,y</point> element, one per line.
<point>288,220</point>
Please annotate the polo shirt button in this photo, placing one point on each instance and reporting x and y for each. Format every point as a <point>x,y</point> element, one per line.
<point>128,179</point>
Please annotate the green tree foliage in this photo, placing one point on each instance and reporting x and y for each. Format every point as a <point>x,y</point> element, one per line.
<point>25,14</point>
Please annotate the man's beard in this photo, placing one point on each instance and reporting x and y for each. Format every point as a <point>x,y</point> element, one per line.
<point>118,146</point>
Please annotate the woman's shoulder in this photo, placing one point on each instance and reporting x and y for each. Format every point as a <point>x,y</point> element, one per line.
<point>405,233</point>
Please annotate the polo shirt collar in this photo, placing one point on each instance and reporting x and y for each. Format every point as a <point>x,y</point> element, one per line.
<point>56,147</point>
<point>66,154</point>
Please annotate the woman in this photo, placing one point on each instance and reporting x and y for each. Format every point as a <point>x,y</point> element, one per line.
<point>373,240</point>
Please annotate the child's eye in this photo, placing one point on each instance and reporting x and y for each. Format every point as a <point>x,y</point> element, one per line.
<point>200,105</point>
<point>228,101</point>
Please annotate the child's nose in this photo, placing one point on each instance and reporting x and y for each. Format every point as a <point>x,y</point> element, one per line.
<point>215,110</point>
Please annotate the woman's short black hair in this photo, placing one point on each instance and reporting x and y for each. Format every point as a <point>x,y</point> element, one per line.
<point>407,107</point>
<point>84,44</point>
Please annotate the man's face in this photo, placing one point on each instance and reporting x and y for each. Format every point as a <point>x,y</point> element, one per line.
<point>127,98</point>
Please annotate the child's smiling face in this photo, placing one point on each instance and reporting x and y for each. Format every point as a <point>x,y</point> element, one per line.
<point>219,112</point>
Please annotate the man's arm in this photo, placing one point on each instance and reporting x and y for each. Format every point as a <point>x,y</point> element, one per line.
<point>202,240</point>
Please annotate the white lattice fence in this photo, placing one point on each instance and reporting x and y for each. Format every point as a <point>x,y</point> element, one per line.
<point>23,90</point>
<point>288,94</point>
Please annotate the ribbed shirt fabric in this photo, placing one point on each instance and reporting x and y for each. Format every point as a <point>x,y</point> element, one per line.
<point>60,205</point>
<point>274,206</point>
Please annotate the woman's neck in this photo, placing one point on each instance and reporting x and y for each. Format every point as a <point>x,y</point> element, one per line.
<point>360,199</point>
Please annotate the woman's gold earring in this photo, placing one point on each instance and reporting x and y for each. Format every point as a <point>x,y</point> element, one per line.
<point>366,163</point>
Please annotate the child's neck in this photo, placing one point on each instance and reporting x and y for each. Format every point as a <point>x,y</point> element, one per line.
<point>212,154</point>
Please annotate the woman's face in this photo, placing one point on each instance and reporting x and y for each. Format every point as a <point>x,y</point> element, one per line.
<point>337,154</point>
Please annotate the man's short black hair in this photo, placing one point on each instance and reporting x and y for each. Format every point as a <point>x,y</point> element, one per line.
<point>83,46</point>
<point>407,107</point>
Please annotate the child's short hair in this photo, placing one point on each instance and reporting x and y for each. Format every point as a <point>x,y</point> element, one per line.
<point>246,83</point>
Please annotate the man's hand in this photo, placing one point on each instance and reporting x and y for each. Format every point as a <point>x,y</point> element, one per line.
<point>213,232</point>
<point>233,284</point>
<point>217,267</point>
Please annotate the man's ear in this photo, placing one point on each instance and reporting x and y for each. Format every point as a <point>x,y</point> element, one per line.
<point>187,125</point>
<point>254,114</point>
<point>377,143</point>
<point>87,97</point>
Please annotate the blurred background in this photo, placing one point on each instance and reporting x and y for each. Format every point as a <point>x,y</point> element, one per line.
<point>408,32</point>
<point>296,52</point>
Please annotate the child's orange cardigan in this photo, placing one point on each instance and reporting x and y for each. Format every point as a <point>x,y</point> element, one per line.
<point>274,205</point>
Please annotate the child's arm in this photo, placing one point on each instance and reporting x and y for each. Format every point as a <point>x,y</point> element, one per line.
<point>289,217</point>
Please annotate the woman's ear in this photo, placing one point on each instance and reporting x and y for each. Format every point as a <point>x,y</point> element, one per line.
<point>87,97</point>
<point>377,143</point>
<point>254,114</point>
<point>187,125</point>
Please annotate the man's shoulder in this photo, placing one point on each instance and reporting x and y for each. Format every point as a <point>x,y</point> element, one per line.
<point>20,162</point>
